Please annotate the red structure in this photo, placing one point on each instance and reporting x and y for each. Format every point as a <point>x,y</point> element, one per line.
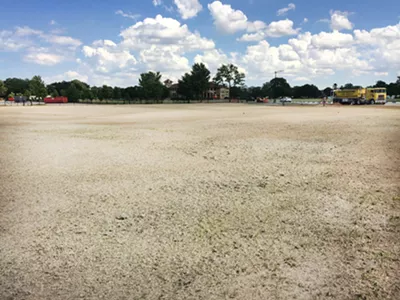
<point>10,99</point>
<point>56,100</point>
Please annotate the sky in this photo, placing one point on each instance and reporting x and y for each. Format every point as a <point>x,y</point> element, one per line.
<point>113,42</point>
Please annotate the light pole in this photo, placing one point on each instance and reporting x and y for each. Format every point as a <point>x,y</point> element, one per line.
<point>276,73</point>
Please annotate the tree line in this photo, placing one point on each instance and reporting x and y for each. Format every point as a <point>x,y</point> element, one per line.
<point>192,85</point>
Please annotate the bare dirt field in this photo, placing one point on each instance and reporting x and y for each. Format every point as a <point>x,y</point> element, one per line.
<point>199,202</point>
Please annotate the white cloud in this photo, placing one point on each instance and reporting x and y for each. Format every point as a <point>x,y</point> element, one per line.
<point>381,73</point>
<point>284,10</point>
<point>213,59</point>
<point>382,45</point>
<point>157,2</point>
<point>339,20</point>
<point>274,29</point>
<point>317,55</point>
<point>378,36</point>
<point>42,58</point>
<point>188,8</point>
<point>10,42</point>
<point>62,40</point>
<point>226,19</point>
<point>164,32</point>
<point>127,15</point>
<point>165,60</point>
<point>255,26</point>
<point>67,76</point>
<point>253,37</point>
<point>229,21</point>
<point>281,28</point>
<point>26,31</point>
<point>53,22</point>
<point>333,39</point>
<point>302,79</point>
<point>57,31</point>
<point>305,21</point>
<point>324,21</point>
<point>108,57</point>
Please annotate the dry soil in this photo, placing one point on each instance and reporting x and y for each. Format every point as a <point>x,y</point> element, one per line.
<point>199,202</point>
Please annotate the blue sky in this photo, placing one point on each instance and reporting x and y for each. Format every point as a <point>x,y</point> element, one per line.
<point>112,42</point>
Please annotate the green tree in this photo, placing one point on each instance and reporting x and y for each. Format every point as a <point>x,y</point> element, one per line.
<point>16,85</point>
<point>230,75</point>
<point>185,88</point>
<point>306,91</point>
<point>87,94</point>
<point>200,78</point>
<point>380,84</point>
<point>55,93</point>
<point>73,93</point>
<point>37,87</point>
<point>348,86</point>
<point>106,92</point>
<point>95,92</point>
<point>3,89</point>
<point>328,91</point>
<point>151,85</point>
<point>255,92</point>
<point>117,93</point>
<point>279,87</point>
<point>165,92</point>
<point>27,95</point>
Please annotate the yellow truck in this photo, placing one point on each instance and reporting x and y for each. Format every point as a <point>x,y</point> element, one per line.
<point>360,96</point>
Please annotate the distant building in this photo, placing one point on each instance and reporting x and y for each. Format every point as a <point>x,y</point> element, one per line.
<point>173,90</point>
<point>168,83</point>
<point>214,91</point>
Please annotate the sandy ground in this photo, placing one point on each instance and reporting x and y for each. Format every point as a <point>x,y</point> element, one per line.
<point>199,202</point>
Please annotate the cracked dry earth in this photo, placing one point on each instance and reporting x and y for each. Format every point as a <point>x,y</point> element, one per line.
<point>199,202</point>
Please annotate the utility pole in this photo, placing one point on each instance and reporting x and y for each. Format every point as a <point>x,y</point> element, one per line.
<point>276,73</point>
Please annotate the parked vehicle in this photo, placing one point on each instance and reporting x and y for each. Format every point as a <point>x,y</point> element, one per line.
<point>262,100</point>
<point>56,100</point>
<point>20,99</point>
<point>286,99</point>
<point>360,96</point>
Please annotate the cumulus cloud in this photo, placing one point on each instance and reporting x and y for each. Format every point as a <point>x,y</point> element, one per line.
<point>24,37</point>
<point>66,76</point>
<point>213,59</point>
<point>127,15</point>
<point>281,28</point>
<point>227,19</point>
<point>62,40</point>
<point>157,2</point>
<point>157,44</point>
<point>42,58</point>
<point>340,21</point>
<point>274,29</point>
<point>188,8</point>
<point>26,31</point>
<point>382,45</point>
<point>164,32</point>
<point>10,42</point>
<point>333,39</point>
<point>108,57</point>
<point>165,44</point>
<point>283,11</point>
